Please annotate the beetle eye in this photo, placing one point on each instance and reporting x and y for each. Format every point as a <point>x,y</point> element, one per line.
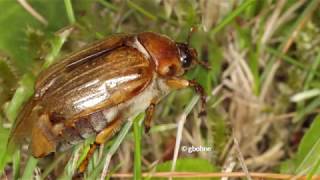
<point>185,54</point>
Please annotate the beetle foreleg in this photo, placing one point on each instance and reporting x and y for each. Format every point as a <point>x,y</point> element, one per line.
<point>177,83</point>
<point>199,89</point>
<point>182,83</point>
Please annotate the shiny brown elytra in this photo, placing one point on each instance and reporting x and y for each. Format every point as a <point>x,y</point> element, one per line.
<point>93,91</point>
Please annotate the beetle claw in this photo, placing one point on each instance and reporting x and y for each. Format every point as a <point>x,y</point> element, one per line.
<point>78,175</point>
<point>199,90</point>
<point>147,129</point>
<point>202,113</point>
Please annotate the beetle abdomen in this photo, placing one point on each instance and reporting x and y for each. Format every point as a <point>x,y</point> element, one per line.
<point>80,129</point>
<point>85,127</point>
<point>97,121</point>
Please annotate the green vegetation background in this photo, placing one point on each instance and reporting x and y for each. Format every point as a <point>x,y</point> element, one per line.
<point>256,37</point>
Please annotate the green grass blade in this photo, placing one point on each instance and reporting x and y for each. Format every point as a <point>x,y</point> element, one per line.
<point>314,170</point>
<point>229,18</point>
<point>122,134</point>
<point>16,164</point>
<point>52,165</point>
<point>288,59</point>
<point>109,5</point>
<point>137,129</point>
<point>141,10</point>
<point>191,104</point>
<point>307,109</point>
<point>29,169</point>
<point>4,155</point>
<point>56,45</point>
<point>309,150</point>
<point>311,7</point>
<point>22,94</point>
<point>70,12</point>
<point>312,72</point>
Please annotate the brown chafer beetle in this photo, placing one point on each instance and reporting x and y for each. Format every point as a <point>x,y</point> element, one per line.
<point>93,91</point>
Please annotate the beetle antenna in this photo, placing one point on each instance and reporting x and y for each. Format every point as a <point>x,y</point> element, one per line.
<point>192,30</point>
<point>204,64</point>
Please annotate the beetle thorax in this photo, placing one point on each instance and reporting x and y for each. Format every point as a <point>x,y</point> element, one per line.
<point>163,53</point>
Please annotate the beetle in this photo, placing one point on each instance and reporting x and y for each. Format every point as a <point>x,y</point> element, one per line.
<point>94,90</point>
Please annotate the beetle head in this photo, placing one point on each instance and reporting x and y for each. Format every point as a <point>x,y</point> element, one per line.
<point>187,55</point>
<point>170,58</point>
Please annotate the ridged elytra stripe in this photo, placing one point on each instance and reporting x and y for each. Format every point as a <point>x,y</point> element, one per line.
<point>59,67</point>
<point>86,88</point>
<point>99,72</point>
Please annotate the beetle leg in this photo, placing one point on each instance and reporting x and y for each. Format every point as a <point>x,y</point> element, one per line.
<point>84,164</point>
<point>182,83</point>
<point>109,131</point>
<point>199,89</point>
<point>43,140</point>
<point>149,116</point>
<point>177,83</point>
<point>101,138</point>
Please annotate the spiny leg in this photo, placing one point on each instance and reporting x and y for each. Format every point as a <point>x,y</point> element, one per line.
<point>182,83</point>
<point>199,89</point>
<point>101,138</point>
<point>84,164</point>
<point>149,115</point>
